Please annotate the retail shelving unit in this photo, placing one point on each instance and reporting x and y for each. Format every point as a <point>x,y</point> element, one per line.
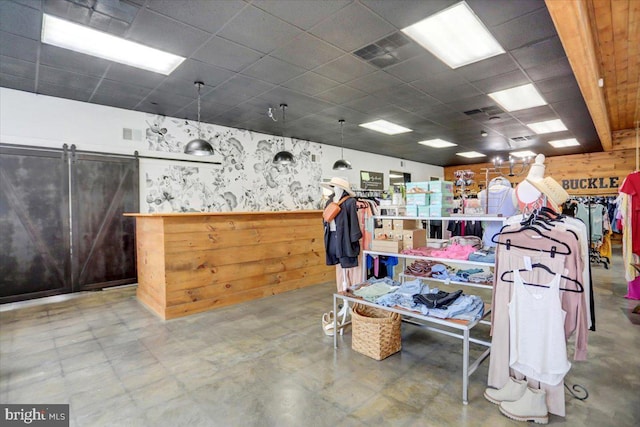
<point>450,327</point>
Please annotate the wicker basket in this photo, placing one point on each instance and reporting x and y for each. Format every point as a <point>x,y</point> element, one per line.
<point>375,332</point>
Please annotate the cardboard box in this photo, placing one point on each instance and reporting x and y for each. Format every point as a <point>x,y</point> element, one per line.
<point>417,187</point>
<point>405,224</point>
<point>387,224</point>
<point>441,199</point>
<point>414,239</point>
<point>392,246</point>
<point>441,186</point>
<point>420,199</point>
<point>383,234</point>
<point>424,211</point>
<point>412,210</point>
<point>440,211</point>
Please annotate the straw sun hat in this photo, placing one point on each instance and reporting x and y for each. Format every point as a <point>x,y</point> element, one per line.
<point>340,183</point>
<point>552,189</point>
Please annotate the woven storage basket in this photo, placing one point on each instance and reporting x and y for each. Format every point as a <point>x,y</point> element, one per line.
<point>375,332</point>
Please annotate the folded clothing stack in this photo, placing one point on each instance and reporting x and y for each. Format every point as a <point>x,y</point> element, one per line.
<point>441,299</point>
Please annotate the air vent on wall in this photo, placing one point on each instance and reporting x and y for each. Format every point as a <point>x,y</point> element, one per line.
<point>522,138</point>
<point>131,134</point>
<point>384,52</point>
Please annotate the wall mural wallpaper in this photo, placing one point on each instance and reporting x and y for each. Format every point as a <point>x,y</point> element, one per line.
<point>245,181</point>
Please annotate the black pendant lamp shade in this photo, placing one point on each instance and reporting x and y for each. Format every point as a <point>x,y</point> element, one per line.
<point>198,146</point>
<point>283,157</point>
<point>342,164</point>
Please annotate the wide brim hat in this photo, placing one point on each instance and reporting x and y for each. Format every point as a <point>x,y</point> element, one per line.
<point>552,189</point>
<point>338,182</point>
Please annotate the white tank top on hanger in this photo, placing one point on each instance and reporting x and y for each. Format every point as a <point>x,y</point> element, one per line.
<point>537,345</point>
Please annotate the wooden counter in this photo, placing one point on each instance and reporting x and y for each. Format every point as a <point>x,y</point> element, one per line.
<point>193,262</point>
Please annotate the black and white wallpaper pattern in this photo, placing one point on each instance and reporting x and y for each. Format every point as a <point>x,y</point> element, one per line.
<point>247,180</point>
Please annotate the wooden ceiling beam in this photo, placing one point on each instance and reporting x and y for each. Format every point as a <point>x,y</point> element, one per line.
<point>571,19</point>
<point>625,139</point>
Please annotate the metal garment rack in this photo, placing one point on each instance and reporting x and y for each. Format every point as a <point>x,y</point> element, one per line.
<point>441,326</point>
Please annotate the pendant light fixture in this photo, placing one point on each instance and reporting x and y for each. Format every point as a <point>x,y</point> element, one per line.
<point>198,146</point>
<point>283,157</point>
<point>342,164</point>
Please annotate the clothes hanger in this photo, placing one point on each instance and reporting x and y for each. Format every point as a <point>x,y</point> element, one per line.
<point>553,251</point>
<point>544,267</point>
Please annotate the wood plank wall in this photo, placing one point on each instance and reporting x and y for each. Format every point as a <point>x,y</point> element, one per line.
<point>581,174</point>
<point>212,261</point>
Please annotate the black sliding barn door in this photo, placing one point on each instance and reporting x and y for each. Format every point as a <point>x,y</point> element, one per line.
<point>34,223</point>
<point>102,189</point>
<point>61,223</point>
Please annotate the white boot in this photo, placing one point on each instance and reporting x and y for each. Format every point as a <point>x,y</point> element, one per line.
<point>512,391</point>
<point>532,406</point>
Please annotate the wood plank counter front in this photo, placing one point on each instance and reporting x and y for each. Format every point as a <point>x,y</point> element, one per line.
<point>193,262</point>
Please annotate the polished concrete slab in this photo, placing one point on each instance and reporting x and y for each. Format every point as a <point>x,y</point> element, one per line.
<point>268,363</point>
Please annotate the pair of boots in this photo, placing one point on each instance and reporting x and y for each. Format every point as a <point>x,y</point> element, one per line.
<point>519,402</point>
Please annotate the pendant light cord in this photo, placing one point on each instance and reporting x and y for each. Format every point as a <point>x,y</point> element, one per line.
<point>341,139</point>
<point>199,84</point>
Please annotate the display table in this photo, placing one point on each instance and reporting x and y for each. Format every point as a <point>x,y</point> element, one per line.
<point>451,327</point>
<point>193,262</point>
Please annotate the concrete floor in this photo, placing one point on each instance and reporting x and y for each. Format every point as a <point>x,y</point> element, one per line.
<point>267,363</point>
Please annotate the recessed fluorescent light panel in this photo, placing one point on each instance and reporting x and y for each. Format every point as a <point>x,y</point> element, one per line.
<point>67,35</point>
<point>456,36</point>
<point>523,154</point>
<point>518,98</point>
<point>385,127</point>
<point>548,126</point>
<point>561,143</point>
<point>471,154</point>
<point>437,143</point>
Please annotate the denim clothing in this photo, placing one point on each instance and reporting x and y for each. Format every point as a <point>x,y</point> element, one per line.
<point>485,255</point>
<point>411,287</point>
<point>464,305</point>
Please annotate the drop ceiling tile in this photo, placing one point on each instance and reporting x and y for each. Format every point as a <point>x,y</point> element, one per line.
<point>539,53</point>
<point>18,47</point>
<point>559,67</point>
<point>439,81</point>
<point>341,94</point>
<point>375,82</point>
<point>307,51</point>
<point>237,90</point>
<point>559,89</point>
<point>20,20</point>
<point>488,68</point>
<point>266,31</point>
<point>533,115</point>
<point>338,29</point>
<point>524,30</point>
<point>272,70</point>
<point>192,70</point>
<point>350,116</point>
<point>17,67</point>
<point>455,93</point>
<point>15,82</point>
<point>409,13</point>
<point>367,103</point>
<point>160,32</point>
<point>64,92</point>
<point>417,68</point>
<point>301,13</point>
<point>171,85</point>
<point>67,79</point>
<point>496,12</point>
<point>225,54</point>
<point>118,94</point>
<point>173,101</point>
<point>132,75</point>
<point>310,83</point>
<point>209,16</point>
<point>345,69</point>
<point>503,81</point>
<point>298,103</point>
<point>72,61</point>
